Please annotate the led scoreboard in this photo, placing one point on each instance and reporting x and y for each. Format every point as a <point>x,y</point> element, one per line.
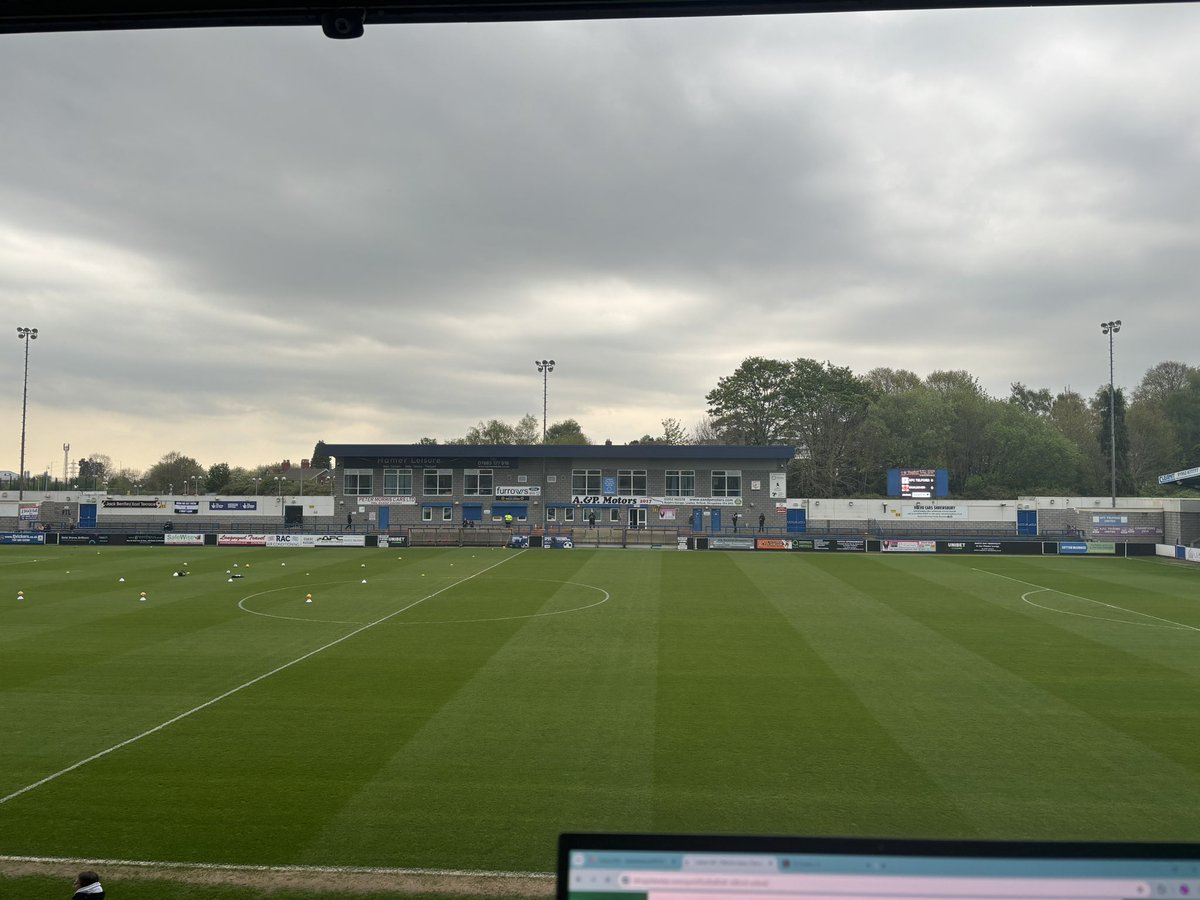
<point>918,484</point>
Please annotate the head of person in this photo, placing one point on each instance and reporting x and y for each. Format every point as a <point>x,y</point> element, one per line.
<point>85,878</point>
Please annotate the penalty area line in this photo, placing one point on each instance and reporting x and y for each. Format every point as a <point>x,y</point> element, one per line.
<point>1133,612</point>
<point>242,687</point>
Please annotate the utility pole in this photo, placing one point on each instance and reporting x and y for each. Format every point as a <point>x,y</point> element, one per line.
<point>1111,328</point>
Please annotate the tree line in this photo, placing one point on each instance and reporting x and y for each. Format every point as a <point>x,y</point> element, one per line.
<point>849,429</point>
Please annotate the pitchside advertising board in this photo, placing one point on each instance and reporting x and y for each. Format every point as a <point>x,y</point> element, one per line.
<point>1026,547</point>
<point>834,545</point>
<point>22,537</point>
<point>1090,548</point>
<point>153,539</point>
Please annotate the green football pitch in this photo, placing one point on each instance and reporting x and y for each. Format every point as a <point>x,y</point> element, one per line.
<point>457,709</point>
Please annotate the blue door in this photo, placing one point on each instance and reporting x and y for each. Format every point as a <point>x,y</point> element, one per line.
<point>697,520</point>
<point>385,517</point>
<point>716,520</point>
<point>797,520</point>
<point>472,512</point>
<point>87,515</point>
<point>1026,521</point>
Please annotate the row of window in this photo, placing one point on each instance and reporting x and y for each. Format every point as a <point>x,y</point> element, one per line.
<point>553,514</point>
<point>584,482</point>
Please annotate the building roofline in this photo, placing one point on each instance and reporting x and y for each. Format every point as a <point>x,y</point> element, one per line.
<point>562,451</point>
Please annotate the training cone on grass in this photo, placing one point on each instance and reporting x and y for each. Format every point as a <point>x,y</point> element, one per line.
<point>308,598</point>
<point>20,595</point>
<point>120,581</point>
<point>142,597</point>
<point>364,581</point>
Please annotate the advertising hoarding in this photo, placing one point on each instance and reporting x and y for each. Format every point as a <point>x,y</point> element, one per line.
<point>152,539</point>
<point>341,540</point>
<point>934,511</point>
<point>731,543</point>
<point>22,537</point>
<point>171,539</point>
<point>77,539</point>
<point>241,540</point>
<point>894,546</point>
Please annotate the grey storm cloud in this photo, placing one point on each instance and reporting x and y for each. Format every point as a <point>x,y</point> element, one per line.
<point>273,235</point>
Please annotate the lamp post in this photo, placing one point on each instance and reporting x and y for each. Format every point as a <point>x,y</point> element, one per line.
<point>1111,328</point>
<point>545,366</point>
<point>26,335</point>
<point>257,481</point>
<point>279,485</point>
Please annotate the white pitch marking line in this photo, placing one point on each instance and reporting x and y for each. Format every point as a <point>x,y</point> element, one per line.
<point>1171,623</point>
<point>223,867</point>
<point>240,687</point>
<point>557,612</point>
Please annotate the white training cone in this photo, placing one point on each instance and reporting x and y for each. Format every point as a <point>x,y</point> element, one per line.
<point>142,597</point>
<point>20,595</point>
<point>283,564</point>
<point>229,581</point>
<point>364,581</point>
<point>308,598</point>
<point>121,580</point>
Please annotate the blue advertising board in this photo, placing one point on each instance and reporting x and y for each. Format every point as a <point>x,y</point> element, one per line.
<point>22,537</point>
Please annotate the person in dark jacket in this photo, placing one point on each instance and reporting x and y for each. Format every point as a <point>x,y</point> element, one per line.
<point>87,887</point>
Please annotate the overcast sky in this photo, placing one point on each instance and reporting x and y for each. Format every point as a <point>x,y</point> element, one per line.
<point>236,242</point>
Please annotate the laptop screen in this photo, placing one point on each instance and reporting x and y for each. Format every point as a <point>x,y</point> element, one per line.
<point>666,867</point>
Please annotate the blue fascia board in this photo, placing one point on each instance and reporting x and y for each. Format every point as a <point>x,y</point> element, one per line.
<point>780,452</point>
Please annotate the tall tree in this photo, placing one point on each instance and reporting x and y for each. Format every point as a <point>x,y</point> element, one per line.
<point>1162,380</point>
<point>1038,402</point>
<point>568,431</point>
<point>528,430</point>
<point>752,406</point>
<point>492,432</point>
<point>320,456</point>
<point>1183,409</point>
<point>172,472</point>
<point>1153,448</point>
<point>893,381</point>
<point>218,478</point>
<point>674,433</point>
<point>706,432</point>
<point>828,403</point>
<point>1077,421</point>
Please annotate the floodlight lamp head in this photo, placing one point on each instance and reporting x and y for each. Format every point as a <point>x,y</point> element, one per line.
<point>1117,325</point>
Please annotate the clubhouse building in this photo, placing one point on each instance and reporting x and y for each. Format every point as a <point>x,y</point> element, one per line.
<point>562,486</point>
